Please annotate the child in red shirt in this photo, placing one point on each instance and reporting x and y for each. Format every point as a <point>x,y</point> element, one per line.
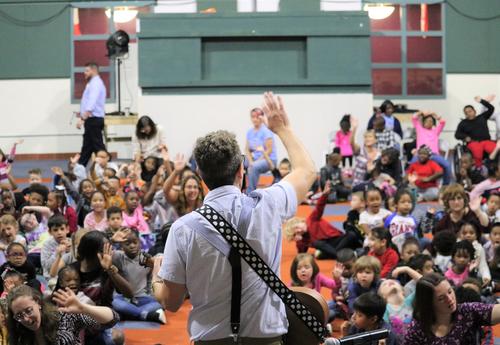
<point>379,242</point>
<point>424,174</point>
<point>317,232</point>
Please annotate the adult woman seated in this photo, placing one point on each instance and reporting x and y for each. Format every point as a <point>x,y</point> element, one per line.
<point>442,321</point>
<point>459,210</point>
<point>31,320</point>
<point>260,142</point>
<point>149,140</point>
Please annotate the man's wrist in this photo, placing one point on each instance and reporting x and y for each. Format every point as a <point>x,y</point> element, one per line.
<point>283,131</point>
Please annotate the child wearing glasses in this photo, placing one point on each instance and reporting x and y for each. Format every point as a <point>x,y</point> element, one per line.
<point>17,256</point>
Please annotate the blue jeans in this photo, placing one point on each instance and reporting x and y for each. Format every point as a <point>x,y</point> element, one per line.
<point>103,337</point>
<point>139,310</point>
<point>258,167</point>
<point>443,163</point>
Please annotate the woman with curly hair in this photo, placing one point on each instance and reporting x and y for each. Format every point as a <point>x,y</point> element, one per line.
<point>31,320</point>
<point>459,210</point>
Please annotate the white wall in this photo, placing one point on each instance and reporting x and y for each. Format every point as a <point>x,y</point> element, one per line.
<point>40,111</point>
<point>313,116</point>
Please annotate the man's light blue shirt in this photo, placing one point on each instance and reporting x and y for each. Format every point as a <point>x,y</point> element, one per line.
<point>191,260</point>
<point>94,97</point>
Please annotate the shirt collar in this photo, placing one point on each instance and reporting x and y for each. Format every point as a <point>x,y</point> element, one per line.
<point>222,191</point>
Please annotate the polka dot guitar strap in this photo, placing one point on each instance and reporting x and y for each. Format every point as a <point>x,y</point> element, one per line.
<point>253,259</point>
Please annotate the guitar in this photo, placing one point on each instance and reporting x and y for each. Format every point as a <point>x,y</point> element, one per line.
<point>298,333</point>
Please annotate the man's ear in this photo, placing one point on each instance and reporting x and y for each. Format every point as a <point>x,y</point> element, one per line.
<point>239,176</point>
<point>241,170</point>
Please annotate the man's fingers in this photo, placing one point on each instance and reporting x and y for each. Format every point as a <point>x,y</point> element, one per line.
<point>280,103</point>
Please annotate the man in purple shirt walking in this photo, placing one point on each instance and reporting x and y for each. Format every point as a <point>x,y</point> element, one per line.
<point>91,114</point>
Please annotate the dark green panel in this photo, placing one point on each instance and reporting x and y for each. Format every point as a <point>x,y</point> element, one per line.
<point>472,46</point>
<point>41,51</point>
<point>254,24</point>
<point>259,90</point>
<point>254,59</point>
<point>169,60</point>
<point>327,51</point>
<point>299,6</point>
<point>344,60</point>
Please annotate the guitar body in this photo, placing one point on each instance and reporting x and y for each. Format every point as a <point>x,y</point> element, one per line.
<point>298,333</point>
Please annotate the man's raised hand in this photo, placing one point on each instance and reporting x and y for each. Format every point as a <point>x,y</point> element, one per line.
<point>276,116</point>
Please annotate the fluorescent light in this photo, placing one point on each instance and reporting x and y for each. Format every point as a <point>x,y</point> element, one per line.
<point>122,14</point>
<point>378,11</point>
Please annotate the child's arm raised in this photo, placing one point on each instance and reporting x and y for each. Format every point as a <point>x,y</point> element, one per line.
<point>352,139</point>
<point>106,261</point>
<point>179,165</point>
<point>147,199</point>
<point>408,270</point>
<point>44,210</point>
<point>475,206</point>
<point>10,177</point>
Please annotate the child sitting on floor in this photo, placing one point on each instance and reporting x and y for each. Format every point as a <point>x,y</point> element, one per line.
<point>305,272</point>
<point>317,232</point>
<point>463,263</point>
<point>369,309</point>
<point>424,174</point>
<point>136,268</point>
<point>8,235</point>
<point>379,242</point>
<point>366,274</point>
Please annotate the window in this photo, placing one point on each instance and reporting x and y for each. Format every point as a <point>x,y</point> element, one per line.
<point>92,25</point>
<point>407,52</point>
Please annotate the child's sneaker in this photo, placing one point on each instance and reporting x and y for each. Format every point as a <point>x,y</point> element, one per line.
<point>157,316</point>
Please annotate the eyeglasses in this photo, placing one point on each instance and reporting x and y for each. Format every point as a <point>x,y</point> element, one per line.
<point>19,255</point>
<point>28,312</point>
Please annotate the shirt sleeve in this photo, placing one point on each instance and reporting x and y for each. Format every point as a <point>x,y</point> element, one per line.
<point>47,256</point>
<point>173,267</point>
<point>93,93</point>
<point>87,222</point>
<point>86,322</point>
<point>483,269</point>
<point>480,312</point>
<point>141,222</point>
<point>284,198</point>
<point>136,147</point>
<point>436,167</point>
<point>363,218</point>
<point>391,262</point>
<point>440,127</point>
<point>388,220</point>
<point>326,282</point>
<point>161,136</point>
<point>118,260</point>
<point>12,154</point>
<point>352,294</point>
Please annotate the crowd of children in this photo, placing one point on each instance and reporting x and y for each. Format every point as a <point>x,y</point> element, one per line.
<point>395,238</point>
<point>96,230</point>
